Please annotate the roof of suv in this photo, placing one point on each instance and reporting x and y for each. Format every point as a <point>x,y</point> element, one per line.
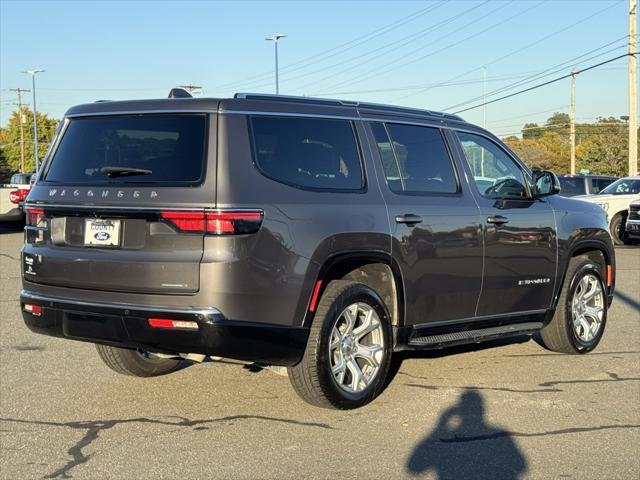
<point>252,102</point>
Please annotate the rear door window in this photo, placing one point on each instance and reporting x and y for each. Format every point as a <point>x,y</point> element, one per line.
<point>131,149</point>
<point>415,159</point>
<point>312,153</point>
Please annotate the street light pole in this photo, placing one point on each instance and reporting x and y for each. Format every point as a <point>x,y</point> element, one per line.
<point>33,74</point>
<point>275,39</point>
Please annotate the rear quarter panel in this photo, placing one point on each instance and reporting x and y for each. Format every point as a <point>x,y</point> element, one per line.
<point>270,277</point>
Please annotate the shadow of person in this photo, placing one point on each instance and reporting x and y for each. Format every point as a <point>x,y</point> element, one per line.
<point>463,446</point>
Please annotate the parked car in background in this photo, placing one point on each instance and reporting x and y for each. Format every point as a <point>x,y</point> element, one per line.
<point>615,199</point>
<point>572,185</point>
<point>633,221</point>
<point>13,195</point>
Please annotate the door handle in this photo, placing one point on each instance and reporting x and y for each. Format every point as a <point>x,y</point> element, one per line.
<point>497,220</point>
<point>409,218</point>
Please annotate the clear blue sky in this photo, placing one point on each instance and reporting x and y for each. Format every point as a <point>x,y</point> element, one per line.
<point>120,50</point>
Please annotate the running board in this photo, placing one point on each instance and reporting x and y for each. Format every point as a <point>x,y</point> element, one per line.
<point>471,336</point>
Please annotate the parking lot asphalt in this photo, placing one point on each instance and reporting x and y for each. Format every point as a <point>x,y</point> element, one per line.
<point>504,410</point>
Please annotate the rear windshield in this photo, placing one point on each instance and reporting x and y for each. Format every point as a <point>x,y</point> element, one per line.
<point>131,149</point>
<point>572,186</point>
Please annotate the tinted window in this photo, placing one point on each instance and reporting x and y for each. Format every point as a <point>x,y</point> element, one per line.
<point>168,148</point>
<point>622,186</point>
<point>495,173</point>
<point>309,153</point>
<point>415,159</point>
<point>571,186</point>
<point>600,183</point>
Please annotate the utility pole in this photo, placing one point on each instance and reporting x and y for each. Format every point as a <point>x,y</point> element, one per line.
<point>484,97</point>
<point>33,74</point>
<point>572,122</point>
<point>633,90</point>
<point>19,92</point>
<point>275,40</point>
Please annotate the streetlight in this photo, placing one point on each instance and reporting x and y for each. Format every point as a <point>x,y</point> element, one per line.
<point>275,39</point>
<point>33,74</point>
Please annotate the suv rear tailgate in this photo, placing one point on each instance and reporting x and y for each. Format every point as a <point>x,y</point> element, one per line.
<point>100,228</point>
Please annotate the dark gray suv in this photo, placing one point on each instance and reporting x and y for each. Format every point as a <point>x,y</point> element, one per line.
<point>319,235</point>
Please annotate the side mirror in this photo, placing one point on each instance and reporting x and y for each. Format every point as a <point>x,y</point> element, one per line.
<point>545,183</point>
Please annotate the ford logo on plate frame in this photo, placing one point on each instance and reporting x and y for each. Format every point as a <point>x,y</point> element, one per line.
<point>102,236</point>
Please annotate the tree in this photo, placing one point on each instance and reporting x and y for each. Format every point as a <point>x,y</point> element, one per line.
<point>10,139</point>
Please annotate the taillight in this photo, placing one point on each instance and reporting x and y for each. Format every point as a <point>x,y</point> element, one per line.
<point>34,215</point>
<point>221,222</point>
<point>18,196</point>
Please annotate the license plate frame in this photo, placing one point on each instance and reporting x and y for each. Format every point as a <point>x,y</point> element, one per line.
<point>102,232</point>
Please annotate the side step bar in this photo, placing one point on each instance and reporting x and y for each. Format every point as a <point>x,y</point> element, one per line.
<point>471,336</point>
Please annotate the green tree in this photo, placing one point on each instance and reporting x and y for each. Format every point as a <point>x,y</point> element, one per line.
<point>10,139</point>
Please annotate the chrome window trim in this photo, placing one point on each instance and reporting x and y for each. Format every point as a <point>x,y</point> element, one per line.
<point>140,112</point>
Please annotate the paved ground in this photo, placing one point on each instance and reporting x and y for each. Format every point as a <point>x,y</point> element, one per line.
<point>506,410</point>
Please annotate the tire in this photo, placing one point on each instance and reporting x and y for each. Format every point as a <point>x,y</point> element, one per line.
<point>134,363</point>
<point>618,232</point>
<point>560,334</point>
<point>332,345</point>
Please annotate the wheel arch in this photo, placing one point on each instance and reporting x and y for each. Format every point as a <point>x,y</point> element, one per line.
<point>375,269</point>
<point>599,252</point>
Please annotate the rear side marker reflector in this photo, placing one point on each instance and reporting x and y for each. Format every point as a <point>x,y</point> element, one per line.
<point>173,324</point>
<point>609,275</point>
<point>222,222</point>
<point>33,309</point>
<point>314,297</point>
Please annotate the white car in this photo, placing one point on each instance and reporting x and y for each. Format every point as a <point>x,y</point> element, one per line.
<point>615,199</point>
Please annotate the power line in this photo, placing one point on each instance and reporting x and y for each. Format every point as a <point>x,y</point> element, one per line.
<point>525,47</point>
<point>396,45</point>
<point>544,84</point>
<point>326,54</point>
<point>544,73</point>
<point>376,72</point>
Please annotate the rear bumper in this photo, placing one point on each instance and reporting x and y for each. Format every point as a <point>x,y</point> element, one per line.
<point>13,215</point>
<point>127,326</point>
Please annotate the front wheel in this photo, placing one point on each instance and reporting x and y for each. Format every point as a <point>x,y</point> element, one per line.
<point>348,353</point>
<point>581,313</point>
<point>618,229</point>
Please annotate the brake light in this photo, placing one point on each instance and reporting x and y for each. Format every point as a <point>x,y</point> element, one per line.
<point>18,196</point>
<point>221,222</point>
<point>34,215</point>
<point>173,324</point>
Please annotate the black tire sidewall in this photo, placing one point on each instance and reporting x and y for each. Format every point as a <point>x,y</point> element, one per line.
<point>586,267</point>
<point>617,229</point>
<point>337,396</point>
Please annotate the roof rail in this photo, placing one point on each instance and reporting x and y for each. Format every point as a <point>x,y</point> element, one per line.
<point>345,103</point>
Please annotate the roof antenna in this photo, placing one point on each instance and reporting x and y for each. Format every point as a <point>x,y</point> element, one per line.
<point>179,92</point>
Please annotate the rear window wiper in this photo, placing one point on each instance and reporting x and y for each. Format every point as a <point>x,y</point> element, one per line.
<point>124,171</point>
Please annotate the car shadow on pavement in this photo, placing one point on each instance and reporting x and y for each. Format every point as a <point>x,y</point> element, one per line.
<point>11,227</point>
<point>627,299</point>
<point>464,445</point>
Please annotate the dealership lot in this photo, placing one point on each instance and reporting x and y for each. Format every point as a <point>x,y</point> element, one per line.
<point>507,409</point>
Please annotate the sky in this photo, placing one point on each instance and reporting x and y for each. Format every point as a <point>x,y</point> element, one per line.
<point>424,54</point>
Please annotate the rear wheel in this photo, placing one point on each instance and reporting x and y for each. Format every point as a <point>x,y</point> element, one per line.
<point>136,363</point>
<point>581,314</point>
<point>348,353</point>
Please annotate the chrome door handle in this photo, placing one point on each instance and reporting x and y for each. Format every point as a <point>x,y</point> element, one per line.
<point>409,218</point>
<point>497,220</point>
